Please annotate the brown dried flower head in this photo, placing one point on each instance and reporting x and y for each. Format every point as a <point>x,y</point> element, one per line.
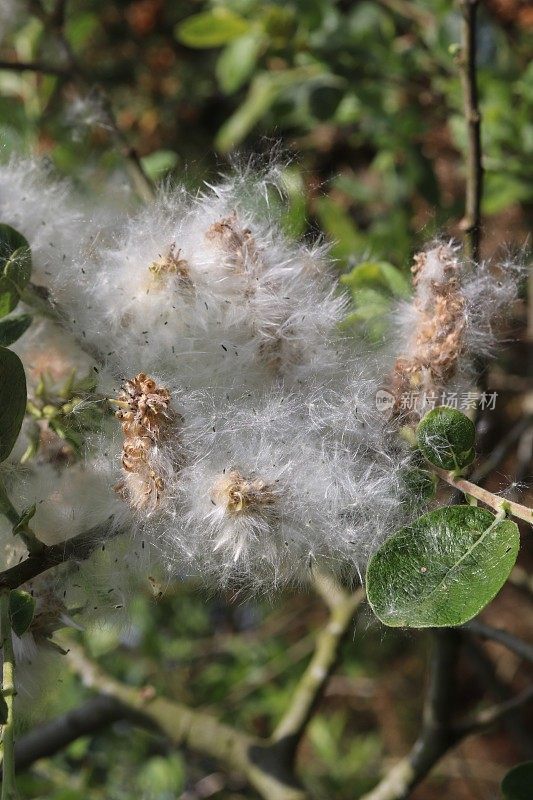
<point>237,494</point>
<point>145,417</point>
<point>171,265</point>
<point>438,338</point>
<point>237,242</point>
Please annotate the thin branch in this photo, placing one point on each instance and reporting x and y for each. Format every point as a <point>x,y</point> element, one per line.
<point>471,223</point>
<point>49,738</point>
<point>262,763</point>
<point>75,71</point>
<point>9,789</point>
<point>35,66</point>
<point>492,500</point>
<point>435,737</point>
<point>479,722</point>
<point>512,643</point>
<point>312,683</point>
<point>79,547</point>
<point>438,734</point>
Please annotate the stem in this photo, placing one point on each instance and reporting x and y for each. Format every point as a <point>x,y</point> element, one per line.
<point>471,223</point>
<point>33,545</point>
<point>262,763</point>
<point>34,66</point>
<point>498,504</point>
<point>79,547</point>
<point>436,735</point>
<point>513,643</point>
<point>307,693</point>
<point>9,790</point>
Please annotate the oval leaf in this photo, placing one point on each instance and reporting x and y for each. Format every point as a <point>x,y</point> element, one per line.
<point>518,783</point>
<point>12,400</point>
<point>443,569</point>
<point>237,61</point>
<point>211,28</point>
<point>21,611</point>
<point>12,329</point>
<point>446,438</point>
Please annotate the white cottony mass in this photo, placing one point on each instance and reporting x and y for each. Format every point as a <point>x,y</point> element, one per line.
<point>248,447</point>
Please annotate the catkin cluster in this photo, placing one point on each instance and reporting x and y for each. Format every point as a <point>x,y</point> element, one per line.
<point>238,437</point>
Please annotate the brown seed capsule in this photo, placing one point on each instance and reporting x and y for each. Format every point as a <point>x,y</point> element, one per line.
<point>145,420</point>
<point>236,494</point>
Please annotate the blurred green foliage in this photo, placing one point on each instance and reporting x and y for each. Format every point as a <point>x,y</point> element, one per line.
<point>240,660</point>
<point>366,101</point>
<point>365,93</point>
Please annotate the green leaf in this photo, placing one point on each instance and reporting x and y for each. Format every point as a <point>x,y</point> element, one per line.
<point>211,28</point>
<point>340,228</point>
<point>157,163</point>
<point>377,274</point>
<point>12,400</point>
<point>518,783</point>
<point>15,267</point>
<point>237,61</point>
<point>443,569</point>
<point>21,611</point>
<point>262,92</point>
<point>12,329</point>
<point>446,438</point>
<point>421,483</point>
<point>162,776</point>
<point>3,710</point>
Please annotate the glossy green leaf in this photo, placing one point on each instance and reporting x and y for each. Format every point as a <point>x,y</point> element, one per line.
<point>446,438</point>
<point>15,267</point>
<point>12,400</point>
<point>443,569</point>
<point>21,611</point>
<point>518,783</point>
<point>12,328</point>
<point>211,28</point>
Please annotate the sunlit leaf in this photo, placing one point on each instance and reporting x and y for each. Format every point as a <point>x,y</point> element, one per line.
<point>157,163</point>
<point>211,28</point>
<point>443,569</point>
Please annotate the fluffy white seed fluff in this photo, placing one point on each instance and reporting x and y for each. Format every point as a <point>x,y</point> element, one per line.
<point>247,447</point>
